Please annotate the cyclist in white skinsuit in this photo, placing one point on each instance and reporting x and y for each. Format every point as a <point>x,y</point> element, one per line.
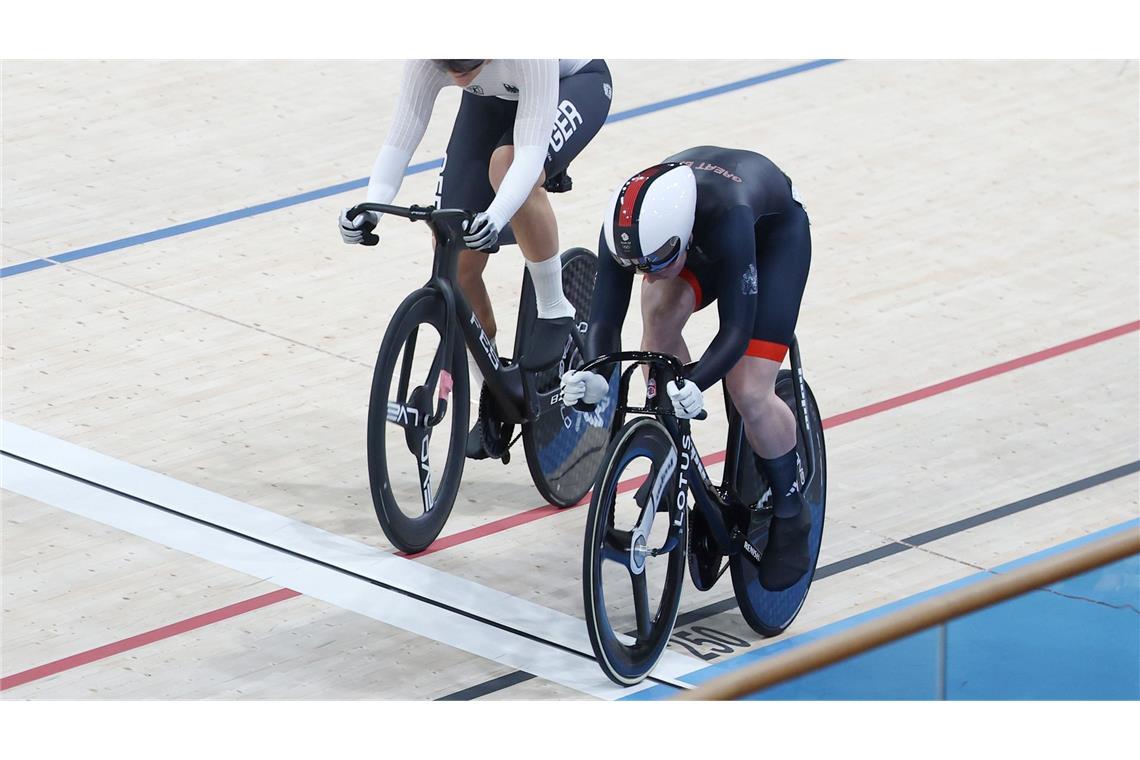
<point>519,125</point>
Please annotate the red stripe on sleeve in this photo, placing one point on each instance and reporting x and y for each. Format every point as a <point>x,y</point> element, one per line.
<point>763,349</point>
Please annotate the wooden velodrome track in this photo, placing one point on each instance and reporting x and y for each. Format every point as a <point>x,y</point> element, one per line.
<point>180,407</point>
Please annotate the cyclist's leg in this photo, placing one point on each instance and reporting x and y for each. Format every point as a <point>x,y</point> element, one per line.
<point>463,184</point>
<point>583,104</point>
<point>768,422</point>
<point>784,256</point>
<point>666,305</point>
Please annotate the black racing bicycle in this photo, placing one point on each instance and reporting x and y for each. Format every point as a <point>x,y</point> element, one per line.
<point>641,528</point>
<point>419,408</point>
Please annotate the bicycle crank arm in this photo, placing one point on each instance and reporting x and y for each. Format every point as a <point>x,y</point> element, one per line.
<point>669,545</point>
<point>740,543</point>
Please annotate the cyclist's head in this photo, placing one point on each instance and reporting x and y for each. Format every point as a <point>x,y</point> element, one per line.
<point>650,218</point>
<point>458,65</point>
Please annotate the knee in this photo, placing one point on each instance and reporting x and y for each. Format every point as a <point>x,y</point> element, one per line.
<point>500,162</point>
<point>497,168</point>
<point>753,402</point>
<point>662,313</point>
<point>658,321</point>
<point>469,271</point>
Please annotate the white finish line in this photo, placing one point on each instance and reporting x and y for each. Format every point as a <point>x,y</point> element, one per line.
<point>330,581</point>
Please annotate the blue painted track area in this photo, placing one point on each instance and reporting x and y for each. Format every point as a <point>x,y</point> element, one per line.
<point>1077,639</point>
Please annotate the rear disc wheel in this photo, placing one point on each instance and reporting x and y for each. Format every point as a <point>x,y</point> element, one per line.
<point>564,447</point>
<point>769,613</point>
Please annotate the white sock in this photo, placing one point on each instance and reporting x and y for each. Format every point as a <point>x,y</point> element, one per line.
<point>476,377</point>
<point>547,279</point>
<point>476,373</point>
<point>476,385</point>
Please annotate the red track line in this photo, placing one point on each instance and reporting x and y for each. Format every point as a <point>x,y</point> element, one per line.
<point>522,518</point>
<point>142,639</point>
<point>497,526</point>
<point>982,374</point>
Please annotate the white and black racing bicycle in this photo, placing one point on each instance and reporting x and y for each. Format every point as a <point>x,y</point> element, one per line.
<point>420,403</point>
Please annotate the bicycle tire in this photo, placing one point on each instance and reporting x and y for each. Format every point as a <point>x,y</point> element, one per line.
<point>769,613</point>
<point>627,664</point>
<point>407,533</point>
<point>564,447</point>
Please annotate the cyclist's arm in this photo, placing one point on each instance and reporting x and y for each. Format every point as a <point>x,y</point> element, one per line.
<point>534,120</point>
<point>733,245</point>
<point>609,305</point>
<point>421,83</point>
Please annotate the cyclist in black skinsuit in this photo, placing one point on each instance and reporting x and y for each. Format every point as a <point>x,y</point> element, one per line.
<point>714,224</point>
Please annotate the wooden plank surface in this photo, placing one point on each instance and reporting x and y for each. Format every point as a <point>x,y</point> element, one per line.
<point>964,214</point>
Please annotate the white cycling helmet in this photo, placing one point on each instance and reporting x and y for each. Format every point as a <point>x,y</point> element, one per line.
<point>650,218</point>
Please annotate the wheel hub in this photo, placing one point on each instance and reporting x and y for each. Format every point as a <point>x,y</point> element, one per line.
<point>638,551</point>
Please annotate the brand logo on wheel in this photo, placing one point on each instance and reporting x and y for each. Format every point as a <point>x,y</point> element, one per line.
<point>607,90</point>
<point>663,476</point>
<point>399,413</point>
<point>426,477</point>
<point>803,402</point>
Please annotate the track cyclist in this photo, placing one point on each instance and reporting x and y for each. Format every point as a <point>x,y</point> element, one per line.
<point>519,125</point>
<point>714,224</point>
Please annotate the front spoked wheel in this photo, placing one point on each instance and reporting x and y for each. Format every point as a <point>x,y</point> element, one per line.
<point>633,563</point>
<point>769,613</point>
<point>417,422</point>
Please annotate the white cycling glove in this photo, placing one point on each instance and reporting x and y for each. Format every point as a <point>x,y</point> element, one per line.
<point>482,233</point>
<point>687,401</point>
<point>583,386</point>
<point>352,232</point>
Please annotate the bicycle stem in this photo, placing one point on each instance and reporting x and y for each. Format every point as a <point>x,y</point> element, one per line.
<point>643,357</point>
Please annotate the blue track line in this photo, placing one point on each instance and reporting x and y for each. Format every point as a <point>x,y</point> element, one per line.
<point>709,672</point>
<point>312,195</point>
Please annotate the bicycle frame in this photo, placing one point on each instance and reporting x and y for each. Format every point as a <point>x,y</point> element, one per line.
<point>715,502</point>
<point>504,382</point>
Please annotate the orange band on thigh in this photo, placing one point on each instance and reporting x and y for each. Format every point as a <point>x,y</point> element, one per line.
<point>763,349</point>
<point>694,283</point>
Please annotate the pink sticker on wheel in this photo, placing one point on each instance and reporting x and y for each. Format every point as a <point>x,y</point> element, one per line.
<point>444,384</point>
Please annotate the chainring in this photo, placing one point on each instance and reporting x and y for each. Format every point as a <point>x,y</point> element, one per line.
<point>496,433</point>
<point>706,562</point>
